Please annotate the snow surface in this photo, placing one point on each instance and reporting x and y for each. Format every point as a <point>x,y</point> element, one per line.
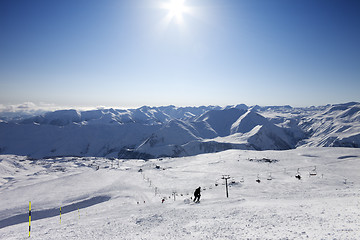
<point>119,202</point>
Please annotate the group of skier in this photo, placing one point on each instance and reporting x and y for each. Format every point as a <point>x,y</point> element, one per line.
<point>197,195</point>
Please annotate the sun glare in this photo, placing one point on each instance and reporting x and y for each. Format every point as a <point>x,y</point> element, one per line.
<point>176,10</point>
<point>176,7</point>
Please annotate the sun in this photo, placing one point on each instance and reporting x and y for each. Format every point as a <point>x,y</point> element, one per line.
<point>176,10</point>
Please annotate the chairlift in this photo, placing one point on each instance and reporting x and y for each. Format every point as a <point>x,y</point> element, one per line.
<point>258,180</point>
<point>313,172</point>
<point>298,176</point>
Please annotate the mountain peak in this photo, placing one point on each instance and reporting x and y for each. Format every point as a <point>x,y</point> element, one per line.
<point>172,131</point>
<point>247,122</point>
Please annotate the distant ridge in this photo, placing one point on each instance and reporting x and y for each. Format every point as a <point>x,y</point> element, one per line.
<point>148,132</point>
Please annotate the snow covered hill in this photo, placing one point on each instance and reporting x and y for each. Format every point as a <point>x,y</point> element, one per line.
<point>336,126</point>
<point>122,199</point>
<point>149,132</point>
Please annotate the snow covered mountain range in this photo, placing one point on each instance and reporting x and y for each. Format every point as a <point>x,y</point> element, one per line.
<point>149,132</point>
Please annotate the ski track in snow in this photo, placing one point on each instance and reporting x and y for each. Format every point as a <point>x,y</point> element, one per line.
<point>325,206</point>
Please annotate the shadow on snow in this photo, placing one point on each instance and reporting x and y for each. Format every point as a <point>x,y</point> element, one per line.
<point>37,215</point>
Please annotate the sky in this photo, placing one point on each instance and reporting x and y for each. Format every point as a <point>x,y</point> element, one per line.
<point>130,53</point>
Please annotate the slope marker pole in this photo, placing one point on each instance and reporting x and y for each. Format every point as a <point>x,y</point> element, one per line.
<point>29,217</point>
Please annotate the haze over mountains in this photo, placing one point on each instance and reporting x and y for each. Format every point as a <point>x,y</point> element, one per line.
<point>149,132</point>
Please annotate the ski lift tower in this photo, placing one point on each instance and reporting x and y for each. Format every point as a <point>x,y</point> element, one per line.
<point>226,177</point>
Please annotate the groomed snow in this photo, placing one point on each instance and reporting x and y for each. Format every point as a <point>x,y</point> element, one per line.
<point>119,202</point>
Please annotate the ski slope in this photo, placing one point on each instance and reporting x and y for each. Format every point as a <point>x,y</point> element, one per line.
<point>119,202</point>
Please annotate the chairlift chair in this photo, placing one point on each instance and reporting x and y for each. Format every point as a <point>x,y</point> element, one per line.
<point>298,176</point>
<point>313,172</point>
<point>258,179</point>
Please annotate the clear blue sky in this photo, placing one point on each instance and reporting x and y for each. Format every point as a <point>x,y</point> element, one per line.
<point>124,53</point>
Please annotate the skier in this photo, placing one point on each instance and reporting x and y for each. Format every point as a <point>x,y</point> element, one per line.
<point>197,195</point>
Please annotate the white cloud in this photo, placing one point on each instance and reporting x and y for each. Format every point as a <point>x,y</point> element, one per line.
<point>30,108</point>
<point>27,107</point>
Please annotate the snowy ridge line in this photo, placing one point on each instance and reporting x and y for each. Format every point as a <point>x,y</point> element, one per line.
<point>151,132</point>
<point>315,165</point>
<point>48,213</point>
